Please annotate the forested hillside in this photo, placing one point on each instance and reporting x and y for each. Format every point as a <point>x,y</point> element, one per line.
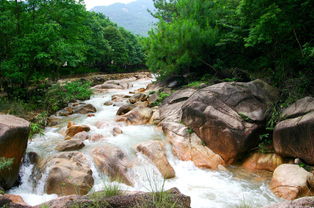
<point>236,40</point>
<point>132,16</point>
<point>45,39</point>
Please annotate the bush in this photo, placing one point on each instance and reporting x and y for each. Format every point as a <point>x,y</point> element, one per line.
<point>5,163</point>
<point>58,96</point>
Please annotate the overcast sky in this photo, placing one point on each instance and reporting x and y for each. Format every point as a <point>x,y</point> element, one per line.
<point>92,3</point>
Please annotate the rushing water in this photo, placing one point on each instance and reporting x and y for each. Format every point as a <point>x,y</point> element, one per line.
<point>216,189</point>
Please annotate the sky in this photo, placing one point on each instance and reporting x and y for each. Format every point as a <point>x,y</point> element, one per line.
<point>92,3</point>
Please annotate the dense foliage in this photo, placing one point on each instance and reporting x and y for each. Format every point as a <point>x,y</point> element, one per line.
<point>41,39</point>
<point>238,39</point>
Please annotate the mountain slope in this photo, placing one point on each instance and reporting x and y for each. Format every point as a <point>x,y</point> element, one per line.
<point>132,16</point>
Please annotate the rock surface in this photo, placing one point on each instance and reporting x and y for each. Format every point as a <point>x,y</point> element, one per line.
<point>140,97</point>
<point>228,116</point>
<point>294,136</point>
<point>260,161</point>
<point>137,116</point>
<point>113,162</point>
<point>68,173</point>
<point>176,200</point>
<point>73,129</point>
<point>13,142</point>
<point>291,181</point>
<point>188,146</point>
<point>125,109</point>
<point>156,152</point>
<point>305,202</point>
<point>70,145</point>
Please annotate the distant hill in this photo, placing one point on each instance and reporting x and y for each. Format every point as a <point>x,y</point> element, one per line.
<point>132,16</point>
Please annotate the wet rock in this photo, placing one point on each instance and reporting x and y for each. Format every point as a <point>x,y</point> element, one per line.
<point>33,157</point>
<point>53,120</point>
<point>116,131</point>
<point>176,200</point>
<point>228,116</point>
<point>96,137</point>
<point>291,181</point>
<point>260,161</point>
<point>117,98</point>
<point>70,145</point>
<point>305,202</point>
<point>188,146</point>
<point>138,98</point>
<point>294,136</point>
<point>65,112</point>
<point>156,152</point>
<point>113,162</point>
<point>84,109</point>
<point>108,103</point>
<point>73,129</point>
<point>68,173</point>
<point>83,135</point>
<point>140,90</point>
<point>13,142</point>
<point>90,115</point>
<point>137,116</point>
<point>15,199</point>
<point>125,109</point>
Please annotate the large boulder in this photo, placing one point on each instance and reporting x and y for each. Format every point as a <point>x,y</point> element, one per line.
<point>291,181</point>
<point>305,202</point>
<point>137,116</point>
<point>70,145</point>
<point>156,152</point>
<point>188,146</point>
<point>68,173</point>
<point>260,161</point>
<point>171,110</point>
<point>113,162</point>
<point>173,199</point>
<point>228,116</point>
<point>294,136</point>
<point>13,142</point>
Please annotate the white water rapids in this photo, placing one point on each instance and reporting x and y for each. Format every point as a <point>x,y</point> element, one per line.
<point>207,188</point>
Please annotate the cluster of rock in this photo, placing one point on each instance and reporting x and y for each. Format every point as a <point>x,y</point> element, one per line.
<point>217,125</point>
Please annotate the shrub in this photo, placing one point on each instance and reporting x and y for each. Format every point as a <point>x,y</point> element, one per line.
<point>58,96</point>
<point>5,163</point>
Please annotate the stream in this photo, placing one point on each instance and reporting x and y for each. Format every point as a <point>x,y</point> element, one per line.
<point>207,188</point>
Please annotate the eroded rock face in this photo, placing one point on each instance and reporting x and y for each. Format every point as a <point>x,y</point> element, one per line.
<point>260,161</point>
<point>137,116</point>
<point>171,109</point>
<point>188,146</point>
<point>305,202</point>
<point>68,173</point>
<point>294,136</point>
<point>291,181</point>
<point>70,145</point>
<point>13,142</point>
<point>228,116</point>
<point>113,162</point>
<point>156,152</point>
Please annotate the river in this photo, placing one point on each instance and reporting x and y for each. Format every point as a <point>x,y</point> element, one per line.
<point>207,188</point>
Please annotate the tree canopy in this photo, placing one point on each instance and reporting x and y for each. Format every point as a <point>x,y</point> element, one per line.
<point>42,38</point>
<point>265,39</point>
